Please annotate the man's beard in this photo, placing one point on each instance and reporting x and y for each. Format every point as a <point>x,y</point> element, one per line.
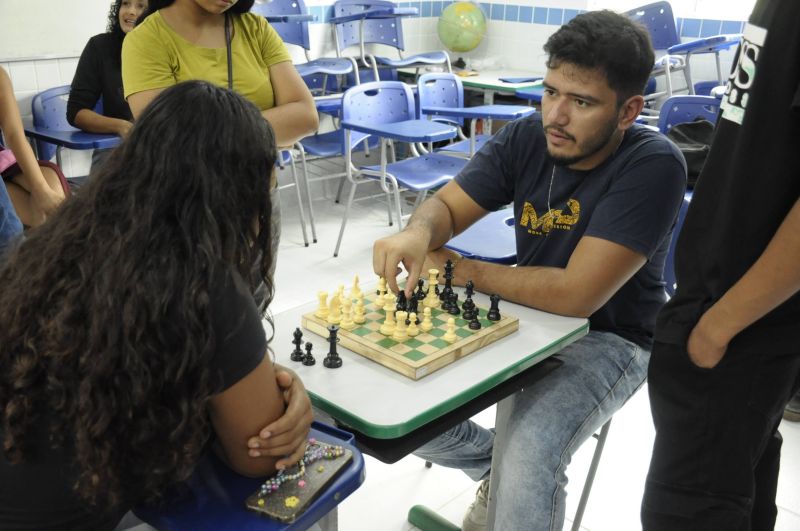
<point>592,146</point>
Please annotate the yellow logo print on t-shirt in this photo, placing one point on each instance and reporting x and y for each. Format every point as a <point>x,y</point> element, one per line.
<point>555,218</point>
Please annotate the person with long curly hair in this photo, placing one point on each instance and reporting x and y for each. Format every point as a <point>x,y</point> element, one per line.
<point>99,74</point>
<point>134,345</point>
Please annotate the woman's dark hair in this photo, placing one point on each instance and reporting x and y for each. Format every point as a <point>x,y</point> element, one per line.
<point>113,19</point>
<point>609,42</point>
<point>105,332</point>
<point>242,6</point>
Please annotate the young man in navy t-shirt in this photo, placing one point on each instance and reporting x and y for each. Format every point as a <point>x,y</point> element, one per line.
<point>595,198</point>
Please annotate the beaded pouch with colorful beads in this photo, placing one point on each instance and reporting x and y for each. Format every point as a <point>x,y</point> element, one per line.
<point>287,494</point>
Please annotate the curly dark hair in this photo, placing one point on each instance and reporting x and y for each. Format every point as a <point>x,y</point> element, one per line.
<point>106,332</point>
<point>609,42</point>
<point>241,6</point>
<point>113,19</point>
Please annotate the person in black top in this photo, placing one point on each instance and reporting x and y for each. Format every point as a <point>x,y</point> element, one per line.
<point>135,346</point>
<point>726,358</point>
<point>99,74</point>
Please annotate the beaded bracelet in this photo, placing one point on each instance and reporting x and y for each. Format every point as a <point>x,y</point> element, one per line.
<point>315,451</point>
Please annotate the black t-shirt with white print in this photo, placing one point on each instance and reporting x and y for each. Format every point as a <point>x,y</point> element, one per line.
<point>750,181</point>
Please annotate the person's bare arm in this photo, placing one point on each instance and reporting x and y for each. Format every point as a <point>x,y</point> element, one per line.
<point>242,410</point>
<point>772,279</point>
<point>138,101</point>
<point>14,134</point>
<point>596,270</point>
<point>92,122</point>
<point>294,115</point>
<point>448,212</point>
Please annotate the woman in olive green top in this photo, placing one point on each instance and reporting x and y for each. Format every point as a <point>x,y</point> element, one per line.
<point>186,39</point>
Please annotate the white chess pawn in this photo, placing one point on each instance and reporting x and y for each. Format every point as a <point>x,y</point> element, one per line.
<point>427,323</point>
<point>450,336</point>
<point>334,310</point>
<point>322,312</point>
<point>400,333</point>
<point>387,328</point>
<point>381,292</point>
<point>347,315</point>
<point>432,299</point>
<point>413,330</point>
<point>388,301</point>
<point>359,318</point>
<point>355,291</point>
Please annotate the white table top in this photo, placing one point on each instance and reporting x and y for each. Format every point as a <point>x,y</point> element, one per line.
<point>384,404</point>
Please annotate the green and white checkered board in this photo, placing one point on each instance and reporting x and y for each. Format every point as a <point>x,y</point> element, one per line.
<point>417,356</point>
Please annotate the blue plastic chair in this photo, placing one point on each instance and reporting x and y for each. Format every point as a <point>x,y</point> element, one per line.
<point>387,30</point>
<point>215,496</point>
<point>446,90</point>
<point>660,23</point>
<point>681,109</point>
<point>390,102</point>
<point>670,282</point>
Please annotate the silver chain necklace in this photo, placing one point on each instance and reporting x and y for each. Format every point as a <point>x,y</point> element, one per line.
<point>550,188</point>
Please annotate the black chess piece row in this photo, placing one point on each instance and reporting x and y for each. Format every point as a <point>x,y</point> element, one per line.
<point>332,360</point>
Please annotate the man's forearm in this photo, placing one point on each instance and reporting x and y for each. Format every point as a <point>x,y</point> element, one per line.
<point>432,222</point>
<point>770,281</point>
<point>543,288</point>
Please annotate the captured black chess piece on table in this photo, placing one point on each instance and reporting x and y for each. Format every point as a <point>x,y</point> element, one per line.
<point>308,359</point>
<point>332,360</point>
<point>494,310</point>
<point>297,353</point>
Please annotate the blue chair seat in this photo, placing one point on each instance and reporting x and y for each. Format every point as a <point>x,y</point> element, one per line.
<point>326,65</point>
<point>423,172</point>
<point>490,239</point>
<point>462,146</point>
<point>330,144</point>
<point>429,58</point>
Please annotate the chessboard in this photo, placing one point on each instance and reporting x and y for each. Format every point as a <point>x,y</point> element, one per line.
<point>418,356</point>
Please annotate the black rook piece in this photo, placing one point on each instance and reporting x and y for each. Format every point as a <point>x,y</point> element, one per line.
<point>494,311</point>
<point>332,360</point>
<point>297,353</point>
<point>308,359</point>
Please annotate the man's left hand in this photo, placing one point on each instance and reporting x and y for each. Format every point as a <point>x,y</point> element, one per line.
<point>705,346</point>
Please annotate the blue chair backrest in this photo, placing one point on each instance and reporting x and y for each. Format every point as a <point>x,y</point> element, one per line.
<point>388,31</point>
<point>681,109</point>
<point>49,109</point>
<point>660,23</point>
<point>669,263</point>
<point>377,102</point>
<point>441,89</point>
<point>291,32</point>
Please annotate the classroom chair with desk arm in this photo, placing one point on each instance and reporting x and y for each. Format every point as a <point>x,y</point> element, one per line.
<point>386,109</point>
<point>214,497</point>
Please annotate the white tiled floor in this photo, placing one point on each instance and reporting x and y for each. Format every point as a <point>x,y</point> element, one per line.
<point>383,501</point>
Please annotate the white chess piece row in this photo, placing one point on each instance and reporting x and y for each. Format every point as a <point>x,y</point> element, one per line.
<point>339,310</point>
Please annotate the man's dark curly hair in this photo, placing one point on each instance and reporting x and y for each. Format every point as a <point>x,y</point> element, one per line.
<point>608,42</point>
<point>105,329</point>
<point>113,19</point>
<point>242,6</point>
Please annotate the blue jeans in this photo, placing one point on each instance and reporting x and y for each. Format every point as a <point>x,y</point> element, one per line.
<point>549,421</point>
<point>10,226</point>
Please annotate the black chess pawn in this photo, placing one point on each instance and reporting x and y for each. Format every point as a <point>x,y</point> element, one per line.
<point>413,305</point>
<point>474,324</point>
<point>468,312</point>
<point>332,360</point>
<point>494,311</point>
<point>420,290</point>
<point>308,359</point>
<point>402,302</point>
<point>297,353</point>
<point>453,308</point>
